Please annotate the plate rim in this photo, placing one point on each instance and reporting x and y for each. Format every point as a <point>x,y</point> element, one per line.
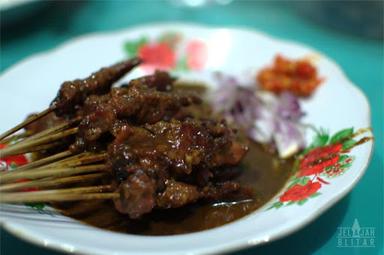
<point>240,244</point>
<point>12,4</point>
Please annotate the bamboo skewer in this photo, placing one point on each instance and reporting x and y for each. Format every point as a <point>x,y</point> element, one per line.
<point>37,148</point>
<point>26,198</point>
<point>26,122</point>
<point>20,147</point>
<point>87,159</point>
<point>49,182</point>
<point>52,130</point>
<point>77,160</point>
<point>30,166</point>
<point>66,161</point>
<point>80,190</point>
<point>44,161</point>
<point>14,137</point>
<point>51,172</point>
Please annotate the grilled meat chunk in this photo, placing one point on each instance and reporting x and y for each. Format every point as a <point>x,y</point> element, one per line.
<point>73,93</point>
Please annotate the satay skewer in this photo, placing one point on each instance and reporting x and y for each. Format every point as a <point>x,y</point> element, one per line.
<point>65,161</point>
<point>98,81</point>
<point>37,148</point>
<point>83,159</point>
<point>51,130</point>
<point>26,122</point>
<point>15,137</point>
<point>89,189</point>
<point>72,194</point>
<point>22,146</point>
<point>58,197</point>
<point>32,165</point>
<point>44,161</point>
<point>50,182</point>
<point>51,172</point>
<point>75,161</point>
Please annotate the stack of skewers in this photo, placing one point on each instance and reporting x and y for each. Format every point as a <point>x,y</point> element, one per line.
<point>137,145</point>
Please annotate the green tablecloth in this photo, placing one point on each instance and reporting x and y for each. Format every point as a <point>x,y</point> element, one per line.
<point>361,59</point>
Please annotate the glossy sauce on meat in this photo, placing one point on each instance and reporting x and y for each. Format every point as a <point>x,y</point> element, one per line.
<point>261,171</point>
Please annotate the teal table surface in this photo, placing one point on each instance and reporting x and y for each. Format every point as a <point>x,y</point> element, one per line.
<point>362,60</point>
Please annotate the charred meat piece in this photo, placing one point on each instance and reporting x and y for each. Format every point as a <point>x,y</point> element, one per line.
<point>143,104</point>
<point>220,190</point>
<point>143,101</point>
<point>160,80</point>
<point>203,143</point>
<point>178,146</point>
<point>73,93</point>
<point>44,123</point>
<point>177,194</point>
<point>137,195</point>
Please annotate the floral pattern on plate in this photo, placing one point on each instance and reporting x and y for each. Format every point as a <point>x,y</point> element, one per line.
<point>169,51</point>
<point>327,157</point>
<point>10,163</point>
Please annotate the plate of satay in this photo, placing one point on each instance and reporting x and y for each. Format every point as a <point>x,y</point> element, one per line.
<point>176,139</point>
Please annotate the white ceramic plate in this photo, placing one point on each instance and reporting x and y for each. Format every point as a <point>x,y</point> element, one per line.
<point>338,104</point>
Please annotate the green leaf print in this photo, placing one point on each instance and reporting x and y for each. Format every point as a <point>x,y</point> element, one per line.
<point>341,135</point>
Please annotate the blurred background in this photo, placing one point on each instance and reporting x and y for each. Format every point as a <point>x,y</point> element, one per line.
<point>350,32</point>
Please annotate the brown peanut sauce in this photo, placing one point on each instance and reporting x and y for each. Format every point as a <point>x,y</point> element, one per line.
<point>264,172</point>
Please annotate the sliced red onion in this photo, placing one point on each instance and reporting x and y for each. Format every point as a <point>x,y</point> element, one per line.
<point>289,107</point>
<point>288,138</point>
<point>265,117</point>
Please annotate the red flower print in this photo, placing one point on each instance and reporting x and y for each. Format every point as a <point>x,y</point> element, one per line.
<point>157,56</point>
<point>197,54</point>
<point>17,159</point>
<point>317,160</point>
<point>300,192</point>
